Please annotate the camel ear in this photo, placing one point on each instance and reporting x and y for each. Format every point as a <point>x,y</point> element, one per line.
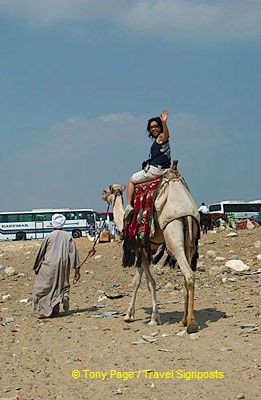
<point>123,187</point>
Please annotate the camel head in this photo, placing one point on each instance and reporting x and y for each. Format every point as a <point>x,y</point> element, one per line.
<point>111,192</point>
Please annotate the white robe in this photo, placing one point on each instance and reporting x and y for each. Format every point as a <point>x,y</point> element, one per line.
<point>52,266</point>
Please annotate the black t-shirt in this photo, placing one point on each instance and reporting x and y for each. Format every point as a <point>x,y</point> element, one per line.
<point>160,154</point>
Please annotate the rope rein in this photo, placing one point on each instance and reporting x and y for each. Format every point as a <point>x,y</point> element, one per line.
<point>92,250</point>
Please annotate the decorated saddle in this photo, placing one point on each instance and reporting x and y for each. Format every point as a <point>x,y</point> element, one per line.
<point>137,231</point>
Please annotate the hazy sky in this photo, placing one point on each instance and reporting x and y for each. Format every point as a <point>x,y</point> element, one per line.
<point>80,78</point>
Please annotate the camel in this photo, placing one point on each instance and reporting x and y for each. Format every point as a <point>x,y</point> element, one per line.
<point>177,228</point>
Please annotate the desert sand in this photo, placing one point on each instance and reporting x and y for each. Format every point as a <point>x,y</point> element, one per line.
<point>91,353</point>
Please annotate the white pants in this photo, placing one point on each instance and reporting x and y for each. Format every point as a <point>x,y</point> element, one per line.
<point>151,173</point>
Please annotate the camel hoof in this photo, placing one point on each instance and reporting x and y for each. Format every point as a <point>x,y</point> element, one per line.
<point>128,318</point>
<point>156,321</point>
<point>192,328</point>
<point>183,323</point>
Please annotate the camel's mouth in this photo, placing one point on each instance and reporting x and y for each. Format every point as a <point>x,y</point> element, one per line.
<point>112,190</point>
<point>104,194</point>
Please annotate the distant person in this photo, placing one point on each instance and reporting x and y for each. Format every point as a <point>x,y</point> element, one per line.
<point>55,257</point>
<point>101,224</point>
<point>203,209</point>
<point>204,218</point>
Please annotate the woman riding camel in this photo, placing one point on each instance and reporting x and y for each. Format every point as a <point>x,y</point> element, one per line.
<point>159,160</point>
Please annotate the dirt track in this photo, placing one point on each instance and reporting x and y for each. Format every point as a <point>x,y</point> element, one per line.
<point>38,356</point>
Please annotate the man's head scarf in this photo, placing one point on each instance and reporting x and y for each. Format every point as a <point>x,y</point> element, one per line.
<point>58,221</point>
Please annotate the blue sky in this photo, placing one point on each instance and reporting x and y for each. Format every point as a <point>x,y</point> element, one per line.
<point>79,79</point>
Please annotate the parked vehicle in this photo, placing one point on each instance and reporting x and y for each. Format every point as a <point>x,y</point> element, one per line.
<point>36,224</point>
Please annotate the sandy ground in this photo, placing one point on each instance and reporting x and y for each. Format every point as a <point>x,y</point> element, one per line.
<point>38,357</point>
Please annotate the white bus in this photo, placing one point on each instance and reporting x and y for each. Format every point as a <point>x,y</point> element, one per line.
<point>236,209</point>
<point>36,224</point>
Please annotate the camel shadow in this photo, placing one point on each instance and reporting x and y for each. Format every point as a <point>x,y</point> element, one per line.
<point>203,316</point>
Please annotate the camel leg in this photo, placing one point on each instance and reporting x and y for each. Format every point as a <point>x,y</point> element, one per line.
<point>174,238</point>
<point>129,317</point>
<point>155,318</point>
<point>184,320</point>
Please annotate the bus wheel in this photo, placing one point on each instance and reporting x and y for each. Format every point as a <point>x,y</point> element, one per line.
<point>20,236</point>
<point>76,234</point>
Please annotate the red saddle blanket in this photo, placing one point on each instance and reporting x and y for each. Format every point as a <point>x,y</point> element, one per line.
<point>143,203</point>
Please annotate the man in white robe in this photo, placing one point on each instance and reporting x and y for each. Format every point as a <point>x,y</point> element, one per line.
<point>55,257</point>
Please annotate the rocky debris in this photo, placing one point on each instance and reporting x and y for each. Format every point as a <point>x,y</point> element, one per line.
<point>220,259</point>
<point>234,257</point>
<point>215,270</point>
<point>249,328</point>
<point>10,271</point>
<point>6,297</point>
<point>237,265</point>
<point>211,253</point>
<point>258,257</point>
<point>8,320</point>
<point>24,301</point>
<point>117,391</point>
<point>2,267</point>
<point>257,244</point>
<point>232,234</point>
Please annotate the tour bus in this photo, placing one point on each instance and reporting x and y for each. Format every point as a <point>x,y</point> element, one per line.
<point>36,224</point>
<point>236,209</point>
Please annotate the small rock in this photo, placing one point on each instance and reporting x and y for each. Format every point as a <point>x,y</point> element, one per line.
<point>23,301</point>
<point>258,257</point>
<point>257,244</point>
<point>2,267</point>
<point>98,257</point>
<point>226,349</point>
<point>194,336</point>
<point>234,257</point>
<point>6,297</point>
<point>8,320</point>
<point>181,333</point>
<point>241,396</point>
<point>237,265</point>
<point>220,259</point>
<point>232,234</point>
<point>118,391</point>
<point>211,253</point>
<point>215,270</point>
<point>10,271</point>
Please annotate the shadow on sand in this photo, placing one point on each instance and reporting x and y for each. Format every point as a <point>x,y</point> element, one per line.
<point>202,316</point>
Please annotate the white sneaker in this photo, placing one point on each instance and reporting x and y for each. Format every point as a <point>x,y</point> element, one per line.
<point>129,210</point>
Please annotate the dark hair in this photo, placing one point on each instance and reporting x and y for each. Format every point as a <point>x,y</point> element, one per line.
<point>159,122</point>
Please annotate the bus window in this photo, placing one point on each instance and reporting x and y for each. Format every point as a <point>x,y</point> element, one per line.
<point>14,218</point>
<point>26,217</point>
<point>3,218</point>
<point>42,217</point>
<point>214,207</point>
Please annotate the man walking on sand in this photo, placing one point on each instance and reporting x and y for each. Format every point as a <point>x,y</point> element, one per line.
<point>55,257</point>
